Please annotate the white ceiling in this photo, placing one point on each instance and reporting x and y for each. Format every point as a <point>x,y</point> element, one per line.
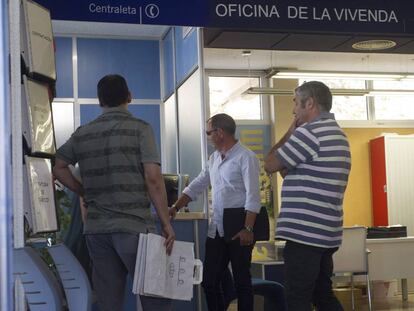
<point>153,32</point>
<point>324,61</point>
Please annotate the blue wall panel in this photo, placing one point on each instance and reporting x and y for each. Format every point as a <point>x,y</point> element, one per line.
<point>148,113</point>
<point>186,53</point>
<point>137,61</point>
<point>168,59</point>
<point>64,82</point>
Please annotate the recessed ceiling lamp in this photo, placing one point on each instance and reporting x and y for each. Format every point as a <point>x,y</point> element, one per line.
<point>246,53</point>
<point>374,45</point>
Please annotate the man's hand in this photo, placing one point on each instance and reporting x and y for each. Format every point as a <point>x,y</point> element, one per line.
<point>169,235</point>
<point>283,172</point>
<point>182,201</point>
<point>294,125</point>
<point>172,212</point>
<point>246,237</point>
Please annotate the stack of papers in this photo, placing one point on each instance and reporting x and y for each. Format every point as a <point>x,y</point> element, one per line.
<point>160,275</point>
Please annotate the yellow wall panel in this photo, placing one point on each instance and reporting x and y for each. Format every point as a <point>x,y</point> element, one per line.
<point>358,197</point>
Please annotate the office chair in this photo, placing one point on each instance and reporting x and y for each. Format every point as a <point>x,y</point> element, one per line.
<point>272,292</point>
<point>352,258</point>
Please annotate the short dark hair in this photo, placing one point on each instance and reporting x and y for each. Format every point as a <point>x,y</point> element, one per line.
<point>112,91</point>
<point>318,91</point>
<point>223,121</point>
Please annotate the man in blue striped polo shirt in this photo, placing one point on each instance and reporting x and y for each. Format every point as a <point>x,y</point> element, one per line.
<point>314,159</point>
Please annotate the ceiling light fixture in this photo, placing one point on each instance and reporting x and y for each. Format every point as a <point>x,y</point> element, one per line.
<point>296,74</point>
<point>267,91</point>
<point>273,91</point>
<point>374,45</point>
<point>390,92</point>
<point>246,53</point>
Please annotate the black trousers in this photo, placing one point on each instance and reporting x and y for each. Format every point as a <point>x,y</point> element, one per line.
<point>218,255</point>
<point>308,272</point>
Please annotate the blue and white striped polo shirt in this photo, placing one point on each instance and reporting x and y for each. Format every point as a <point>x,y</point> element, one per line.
<point>318,161</point>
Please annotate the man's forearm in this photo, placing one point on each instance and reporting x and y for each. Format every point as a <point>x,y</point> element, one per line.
<point>158,196</point>
<point>182,201</point>
<point>280,143</point>
<point>250,219</point>
<point>271,163</point>
<point>64,175</point>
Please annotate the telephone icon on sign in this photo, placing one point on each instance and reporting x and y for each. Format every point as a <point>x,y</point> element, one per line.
<point>152,10</point>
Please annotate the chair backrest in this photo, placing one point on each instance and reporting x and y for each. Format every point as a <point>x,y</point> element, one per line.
<point>74,280</point>
<point>352,255</point>
<point>41,288</point>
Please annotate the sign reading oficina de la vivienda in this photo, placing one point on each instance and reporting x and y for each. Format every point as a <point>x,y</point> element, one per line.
<point>363,16</point>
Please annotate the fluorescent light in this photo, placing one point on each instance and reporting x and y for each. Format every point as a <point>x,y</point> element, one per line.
<point>268,91</point>
<point>274,91</point>
<point>391,92</point>
<point>349,92</point>
<point>295,74</point>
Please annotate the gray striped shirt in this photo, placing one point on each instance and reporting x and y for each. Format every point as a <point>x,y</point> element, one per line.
<point>318,161</point>
<point>110,151</point>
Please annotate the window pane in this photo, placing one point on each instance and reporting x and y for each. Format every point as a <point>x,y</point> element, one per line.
<point>349,107</point>
<point>226,96</point>
<point>394,107</point>
<point>393,85</point>
<point>63,121</point>
<point>340,83</point>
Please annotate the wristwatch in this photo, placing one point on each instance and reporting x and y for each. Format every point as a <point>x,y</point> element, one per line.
<point>248,228</point>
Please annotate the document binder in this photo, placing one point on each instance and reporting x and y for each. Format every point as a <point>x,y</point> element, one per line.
<point>233,222</point>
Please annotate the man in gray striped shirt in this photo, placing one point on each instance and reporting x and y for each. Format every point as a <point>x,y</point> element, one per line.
<point>314,159</point>
<point>120,170</point>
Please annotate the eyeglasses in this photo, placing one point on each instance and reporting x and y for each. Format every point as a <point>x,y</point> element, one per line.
<point>211,132</point>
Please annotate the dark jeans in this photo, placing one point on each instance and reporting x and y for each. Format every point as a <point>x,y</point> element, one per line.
<point>218,255</point>
<point>113,257</point>
<point>308,272</point>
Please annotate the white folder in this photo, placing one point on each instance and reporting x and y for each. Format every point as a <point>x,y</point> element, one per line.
<point>160,275</point>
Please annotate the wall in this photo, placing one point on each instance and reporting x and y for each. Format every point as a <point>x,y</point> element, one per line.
<point>358,198</point>
<point>136,60</point>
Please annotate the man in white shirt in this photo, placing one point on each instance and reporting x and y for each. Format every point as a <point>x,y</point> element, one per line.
<point>233,173</point>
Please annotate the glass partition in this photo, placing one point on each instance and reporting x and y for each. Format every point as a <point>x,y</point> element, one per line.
<point>190,128</point>
<point>64,122</point>
<point>170,136</point>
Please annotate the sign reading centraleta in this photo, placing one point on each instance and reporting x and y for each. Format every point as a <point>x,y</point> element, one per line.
<point>364,16</point>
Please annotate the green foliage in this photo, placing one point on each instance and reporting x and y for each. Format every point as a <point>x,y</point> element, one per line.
<point>266,195</point>
<point>64,208</point>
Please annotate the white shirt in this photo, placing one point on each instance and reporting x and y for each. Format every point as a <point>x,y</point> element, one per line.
<point>234,183</point>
